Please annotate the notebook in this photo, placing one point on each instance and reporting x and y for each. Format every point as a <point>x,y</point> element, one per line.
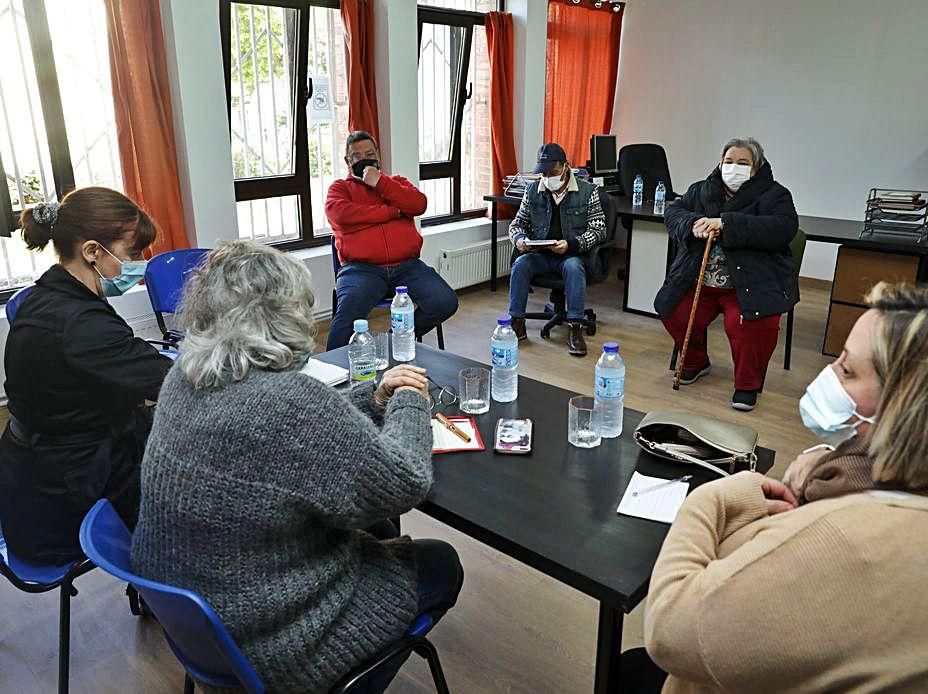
<point>659,505</point>
<point>446,441</point>
<point>330,374</point>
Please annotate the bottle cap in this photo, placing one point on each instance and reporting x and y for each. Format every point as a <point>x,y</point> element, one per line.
<point>360,325</point>
<point>611,347</point>
<point>504,320</point>
<point>402,289</point>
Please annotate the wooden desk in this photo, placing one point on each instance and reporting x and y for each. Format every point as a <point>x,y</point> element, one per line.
<point>555,509</point>
<point>862,262</point>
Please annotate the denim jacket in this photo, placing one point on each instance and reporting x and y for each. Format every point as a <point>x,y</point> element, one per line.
<point>583,222</point>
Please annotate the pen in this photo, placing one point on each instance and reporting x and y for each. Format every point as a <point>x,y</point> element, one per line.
<point>452,428</point>
<point>685,478</point>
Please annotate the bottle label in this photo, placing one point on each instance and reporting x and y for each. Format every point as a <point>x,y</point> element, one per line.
<point>364,373</point>
<point>401,321</point>
<point>610,387</point>
<point>504,357</point>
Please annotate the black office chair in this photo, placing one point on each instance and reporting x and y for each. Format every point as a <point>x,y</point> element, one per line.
<point>650,161</point>
<point>597,270</point>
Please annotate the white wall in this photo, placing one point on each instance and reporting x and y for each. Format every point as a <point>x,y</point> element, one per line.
<point>833,89</point>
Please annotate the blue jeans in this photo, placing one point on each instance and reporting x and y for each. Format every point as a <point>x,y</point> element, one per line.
<point>359,287</point>
<point>440,577</point>
<point>570,267</point>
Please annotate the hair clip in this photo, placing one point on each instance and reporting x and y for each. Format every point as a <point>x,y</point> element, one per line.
<point>46,213</point>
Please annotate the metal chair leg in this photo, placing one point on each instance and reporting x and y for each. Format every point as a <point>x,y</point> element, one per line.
<point>428,651</point>
<point>441,336</point>
<point>189,685</point>
<point>64,635</point>
<point>673,358</point>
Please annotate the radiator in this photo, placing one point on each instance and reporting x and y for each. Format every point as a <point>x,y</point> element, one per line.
<point>464,267</point>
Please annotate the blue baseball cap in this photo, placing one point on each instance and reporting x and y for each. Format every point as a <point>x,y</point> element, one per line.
<point>548,155</point>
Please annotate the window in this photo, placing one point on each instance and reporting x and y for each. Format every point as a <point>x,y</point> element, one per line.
<point>60,44</point>
<point>454,108</point>
<point>287,89</point>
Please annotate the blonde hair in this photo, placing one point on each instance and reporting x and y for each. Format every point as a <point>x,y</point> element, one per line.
<point>899,438</point>
<point>247,306</point>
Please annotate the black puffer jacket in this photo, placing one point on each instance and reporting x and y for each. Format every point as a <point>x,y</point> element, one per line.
<point>759,222</point>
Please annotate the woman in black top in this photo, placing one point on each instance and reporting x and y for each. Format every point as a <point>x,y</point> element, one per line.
<point>77,377</point>
<point>750,278</point>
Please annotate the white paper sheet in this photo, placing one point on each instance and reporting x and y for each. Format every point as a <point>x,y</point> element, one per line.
<point>659,505</point>
<point>330,374</point>
<point>443,439</point>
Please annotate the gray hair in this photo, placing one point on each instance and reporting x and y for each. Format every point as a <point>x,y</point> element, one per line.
<point>247,306</point>
<point>751,145</point>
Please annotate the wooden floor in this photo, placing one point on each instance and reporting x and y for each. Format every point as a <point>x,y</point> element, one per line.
<point>514,630</point>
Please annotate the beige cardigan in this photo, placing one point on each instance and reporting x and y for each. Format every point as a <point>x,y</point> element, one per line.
<point>830,596</point>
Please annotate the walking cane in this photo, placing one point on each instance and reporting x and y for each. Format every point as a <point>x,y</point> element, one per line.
<point>681,358</point>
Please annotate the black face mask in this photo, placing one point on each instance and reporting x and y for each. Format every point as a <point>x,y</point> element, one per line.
<point>358,167</point>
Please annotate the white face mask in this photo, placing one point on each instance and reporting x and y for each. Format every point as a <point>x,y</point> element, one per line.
<point>826,407</point>
<point>735,175</point>
<point>553,183</point>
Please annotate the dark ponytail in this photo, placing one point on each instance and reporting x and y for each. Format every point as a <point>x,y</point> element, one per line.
<point>86,214</point>
<point>35,235</point>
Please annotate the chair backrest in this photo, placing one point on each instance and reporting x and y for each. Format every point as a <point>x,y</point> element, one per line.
<point>14,302</point>
<point>194,631</point>
<point>598,267</point>
<point>798,248</point>
<point>166,274</point>
<point>650,161</point>
<point>336,265</point>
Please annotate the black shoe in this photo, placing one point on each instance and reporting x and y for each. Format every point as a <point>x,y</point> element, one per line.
<point>518,327</point>
<point>688,376</point>
<point>744,400</point>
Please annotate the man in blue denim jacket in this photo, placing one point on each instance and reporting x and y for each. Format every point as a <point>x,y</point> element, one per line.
<point>567,211</point>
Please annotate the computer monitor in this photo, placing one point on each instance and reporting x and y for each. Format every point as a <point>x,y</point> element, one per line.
<point>604,154</point>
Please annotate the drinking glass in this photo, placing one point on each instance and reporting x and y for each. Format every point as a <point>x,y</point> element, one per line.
<point>474,390</point>
<point>382,345</point>
<point>583,422</point>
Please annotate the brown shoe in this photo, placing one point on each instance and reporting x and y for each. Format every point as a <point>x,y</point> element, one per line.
<point>576,345</point>
<point>518,327</point>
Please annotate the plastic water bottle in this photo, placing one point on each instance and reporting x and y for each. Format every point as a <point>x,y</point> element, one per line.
<point>362,354</point>
<point>504,351</point>
<point>638,191</point>
<point>609,390</point>
<point>403,324</point>
<point>660,195</point>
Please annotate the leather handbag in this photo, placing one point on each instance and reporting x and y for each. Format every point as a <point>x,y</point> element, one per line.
<point>689,438</point>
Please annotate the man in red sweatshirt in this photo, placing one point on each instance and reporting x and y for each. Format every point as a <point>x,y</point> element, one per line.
<point>378,244</point>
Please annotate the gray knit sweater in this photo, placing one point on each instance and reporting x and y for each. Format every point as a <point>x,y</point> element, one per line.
<point>255,495</point>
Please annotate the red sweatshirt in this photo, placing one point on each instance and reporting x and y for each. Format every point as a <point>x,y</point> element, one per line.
<point>374,225</point>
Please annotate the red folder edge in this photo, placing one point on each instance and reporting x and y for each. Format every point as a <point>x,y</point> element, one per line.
<point>459,418</point>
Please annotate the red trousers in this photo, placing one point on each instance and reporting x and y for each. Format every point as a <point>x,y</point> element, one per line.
<point>752,342</point>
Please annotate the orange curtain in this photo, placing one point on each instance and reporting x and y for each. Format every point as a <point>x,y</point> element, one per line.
<point>500,47</point>
<point>358,16</point>
<point>582,65</point>
<point>142,100</point>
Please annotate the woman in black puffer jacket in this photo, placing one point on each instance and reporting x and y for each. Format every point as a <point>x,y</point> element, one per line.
<point>750,278</point>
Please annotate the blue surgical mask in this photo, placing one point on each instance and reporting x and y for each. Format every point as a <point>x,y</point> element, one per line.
<point>131,273</point>
<point>826,408</point>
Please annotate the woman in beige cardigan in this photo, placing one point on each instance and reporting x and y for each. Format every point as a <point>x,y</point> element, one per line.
<point>752,593</point>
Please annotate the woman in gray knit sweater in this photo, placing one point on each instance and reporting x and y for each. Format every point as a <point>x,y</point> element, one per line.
<point>266,491</point>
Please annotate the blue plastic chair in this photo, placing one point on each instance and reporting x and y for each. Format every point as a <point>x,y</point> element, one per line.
<point>383,303</point>
<point>13,303</point>
<point>194,631</point>
<point>164,279</point>
<point>39,578</point>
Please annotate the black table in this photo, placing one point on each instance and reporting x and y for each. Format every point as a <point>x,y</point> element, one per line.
<point>555,510</point>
